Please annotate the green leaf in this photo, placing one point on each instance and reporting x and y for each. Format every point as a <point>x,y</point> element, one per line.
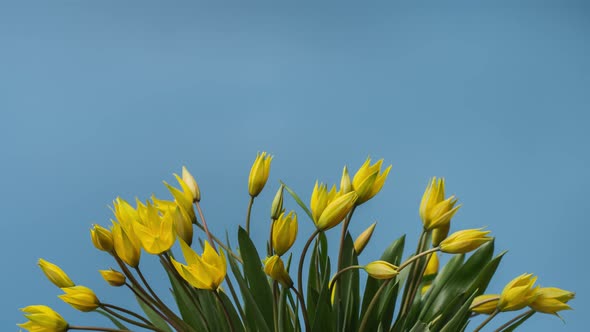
<point>153,317</point>
<point>185,304</point>
<point>113,319</point>
<point>298,200</point>
<point>233,314</point>
<point>516,324</point>
<point>457,322</point>
<point>349,287</point>
<point>319,306</point>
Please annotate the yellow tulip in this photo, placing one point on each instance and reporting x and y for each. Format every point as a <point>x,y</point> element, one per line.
<point>182,224</point>
<point>284,232</point>
<point>124,212</point>
<point>55,274</point>
<point>259,173</point>
<point>101,238</point>
<point>369,180</point>
<point>363,239</point>
<point>432,265</point>
<point>190,181</point>
<point>276,207</point>
<point>464,241</point>
<point>43,319</point>
<point>518,293</point>
<point>205,272</point>
<point>345,183</point>
<point>320,198</point>
<point>183,198</point>
<point>336,211</point>
<point>126,244</point>
<point>381,270</point>
<point>156,233</point>
<point>550,300</point>
<point>114,278</point>
<point>81,298</point>
<point>485,304</point>
<point>275,268</point>
<point>435,210</point>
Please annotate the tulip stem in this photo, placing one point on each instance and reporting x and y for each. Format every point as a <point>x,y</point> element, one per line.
<point>130,321</point>
<point>487,320</point>
<point>147,285</point>
<point>301,260</point>
<point>474,305</point>
<point>225,312</point>
<point>339,273</point>
<point>248,214</point>
<point>510,322</point>
<point>412,278</point>
<point>205,228</point>
<point>303,308</point>
<point>372,304</point>
<point>220,243</point>
<point>413,258</point>
<point>105,306</point>
<point>270,248</point>
<point>94,328</point>
<point>340,250</point>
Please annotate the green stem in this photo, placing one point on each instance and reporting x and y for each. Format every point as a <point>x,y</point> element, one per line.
<point>474,305</point>
<point>270,247</point>
<point>372,304</point>
<point>487,320</point>
<point>131,321</point>
<point>220,243</point>
<point>205,228</point>
<point>301,260</point>
<point>411,282</point>
<point>339,273</point>
<point>510,322</point>
<point>225,312</point>
<point>147,285</point>
<point>129,312</point>
<point>413,258</point>
<point>339,266</point>
<point>248,214</point>
<point>303,309</point>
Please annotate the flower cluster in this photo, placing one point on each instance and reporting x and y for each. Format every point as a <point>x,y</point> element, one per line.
<point>273,298</point>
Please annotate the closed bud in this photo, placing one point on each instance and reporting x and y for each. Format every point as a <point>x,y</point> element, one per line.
<point>435,210</point>
<point>81,298</point>
<point>363,239</point>
<point>284,232</point>
<point>336,210</point>
<point>114,278</point>
<point>464,241</point>
<point>518,293</point>
<point>102,238</point>
<point>126,245</point>
<point>43,319</point>
<point>345,183</point>
<point>275,268</point>
<point>259,173</point>
<point>369,180</point>
<point>381,270</point>
<point>55,274</point>
<point>485,304</point>
<point>277,204</point>
<point>190,181</point>
<point>550,300</point>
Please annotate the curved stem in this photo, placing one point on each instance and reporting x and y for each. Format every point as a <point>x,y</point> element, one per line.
<point>206,229</point>
<point>302,259</point>
<point>508,323</point>
<point>487,320</point>
<point>129,312</point>
<point>372,304</point>
<point>474,305</point>
<point>339,266</point>
<point>225,312</point>
<point>303,309</point>
<point>411,281</point>
<point>413,258</point>
<point>131,321</point>
<point>248,214</point>
<point>339,273</point>
<point>147,285</point>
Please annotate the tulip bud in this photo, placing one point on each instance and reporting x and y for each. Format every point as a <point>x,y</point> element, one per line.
<point>182,224</point>
<point>126,245</point>
<point>550,300</point>
<point>345,183</point>
<point>518,293</point>
<point>284,232</point>
<point>277,204</point>
<point>274,268</point>
<point>43,318</point>
<point>485,304</point>
<point>464,241</point>
<point>336,210</point>
<point>432,265</point>
<point>381,270</point>
<point>114,278</point>
<point>192,184</point>
<point>259,173</point>
<point>363,239</point>
<point>435,210</point>
<point>102,238</point>
<point>55,274</point>
<point>369,180</point>
<point>81,298</point>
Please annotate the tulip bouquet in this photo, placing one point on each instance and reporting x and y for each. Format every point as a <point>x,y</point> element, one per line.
<point>273,289</point>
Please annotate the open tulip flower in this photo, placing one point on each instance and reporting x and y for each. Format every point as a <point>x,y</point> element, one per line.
<point>312,285</point>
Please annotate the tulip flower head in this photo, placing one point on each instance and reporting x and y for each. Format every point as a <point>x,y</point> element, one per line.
<point>435,210</point>
<point>277,204</point>
<point>275,268</point>
<point>43,319</point>
<point>518,293</point>
<point>55,274</point>
<point>259,173</point>
<point>550,300</point>
<point>126,244</point>
<point>363,239</point>
<point>204,272</point>
<point>369,180</point>
<point>114,278</point>
<point>81,298</point>
<point>485,304</point>
<point>183,198</point>
<point>190,181</point>
<point>464,241</point>
<point>345,183</point>
<point>381,270</point>
<point>101,238</point>
<point>336,211</point>
<point>155,233</point>
<point>284,232</point>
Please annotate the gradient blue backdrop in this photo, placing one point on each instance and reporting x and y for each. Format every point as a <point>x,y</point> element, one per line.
<point>104,98</point>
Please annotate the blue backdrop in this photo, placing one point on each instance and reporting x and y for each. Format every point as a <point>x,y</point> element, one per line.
<point>100,99</point>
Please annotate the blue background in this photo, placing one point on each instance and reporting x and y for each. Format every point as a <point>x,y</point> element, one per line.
<point>100,99</point>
